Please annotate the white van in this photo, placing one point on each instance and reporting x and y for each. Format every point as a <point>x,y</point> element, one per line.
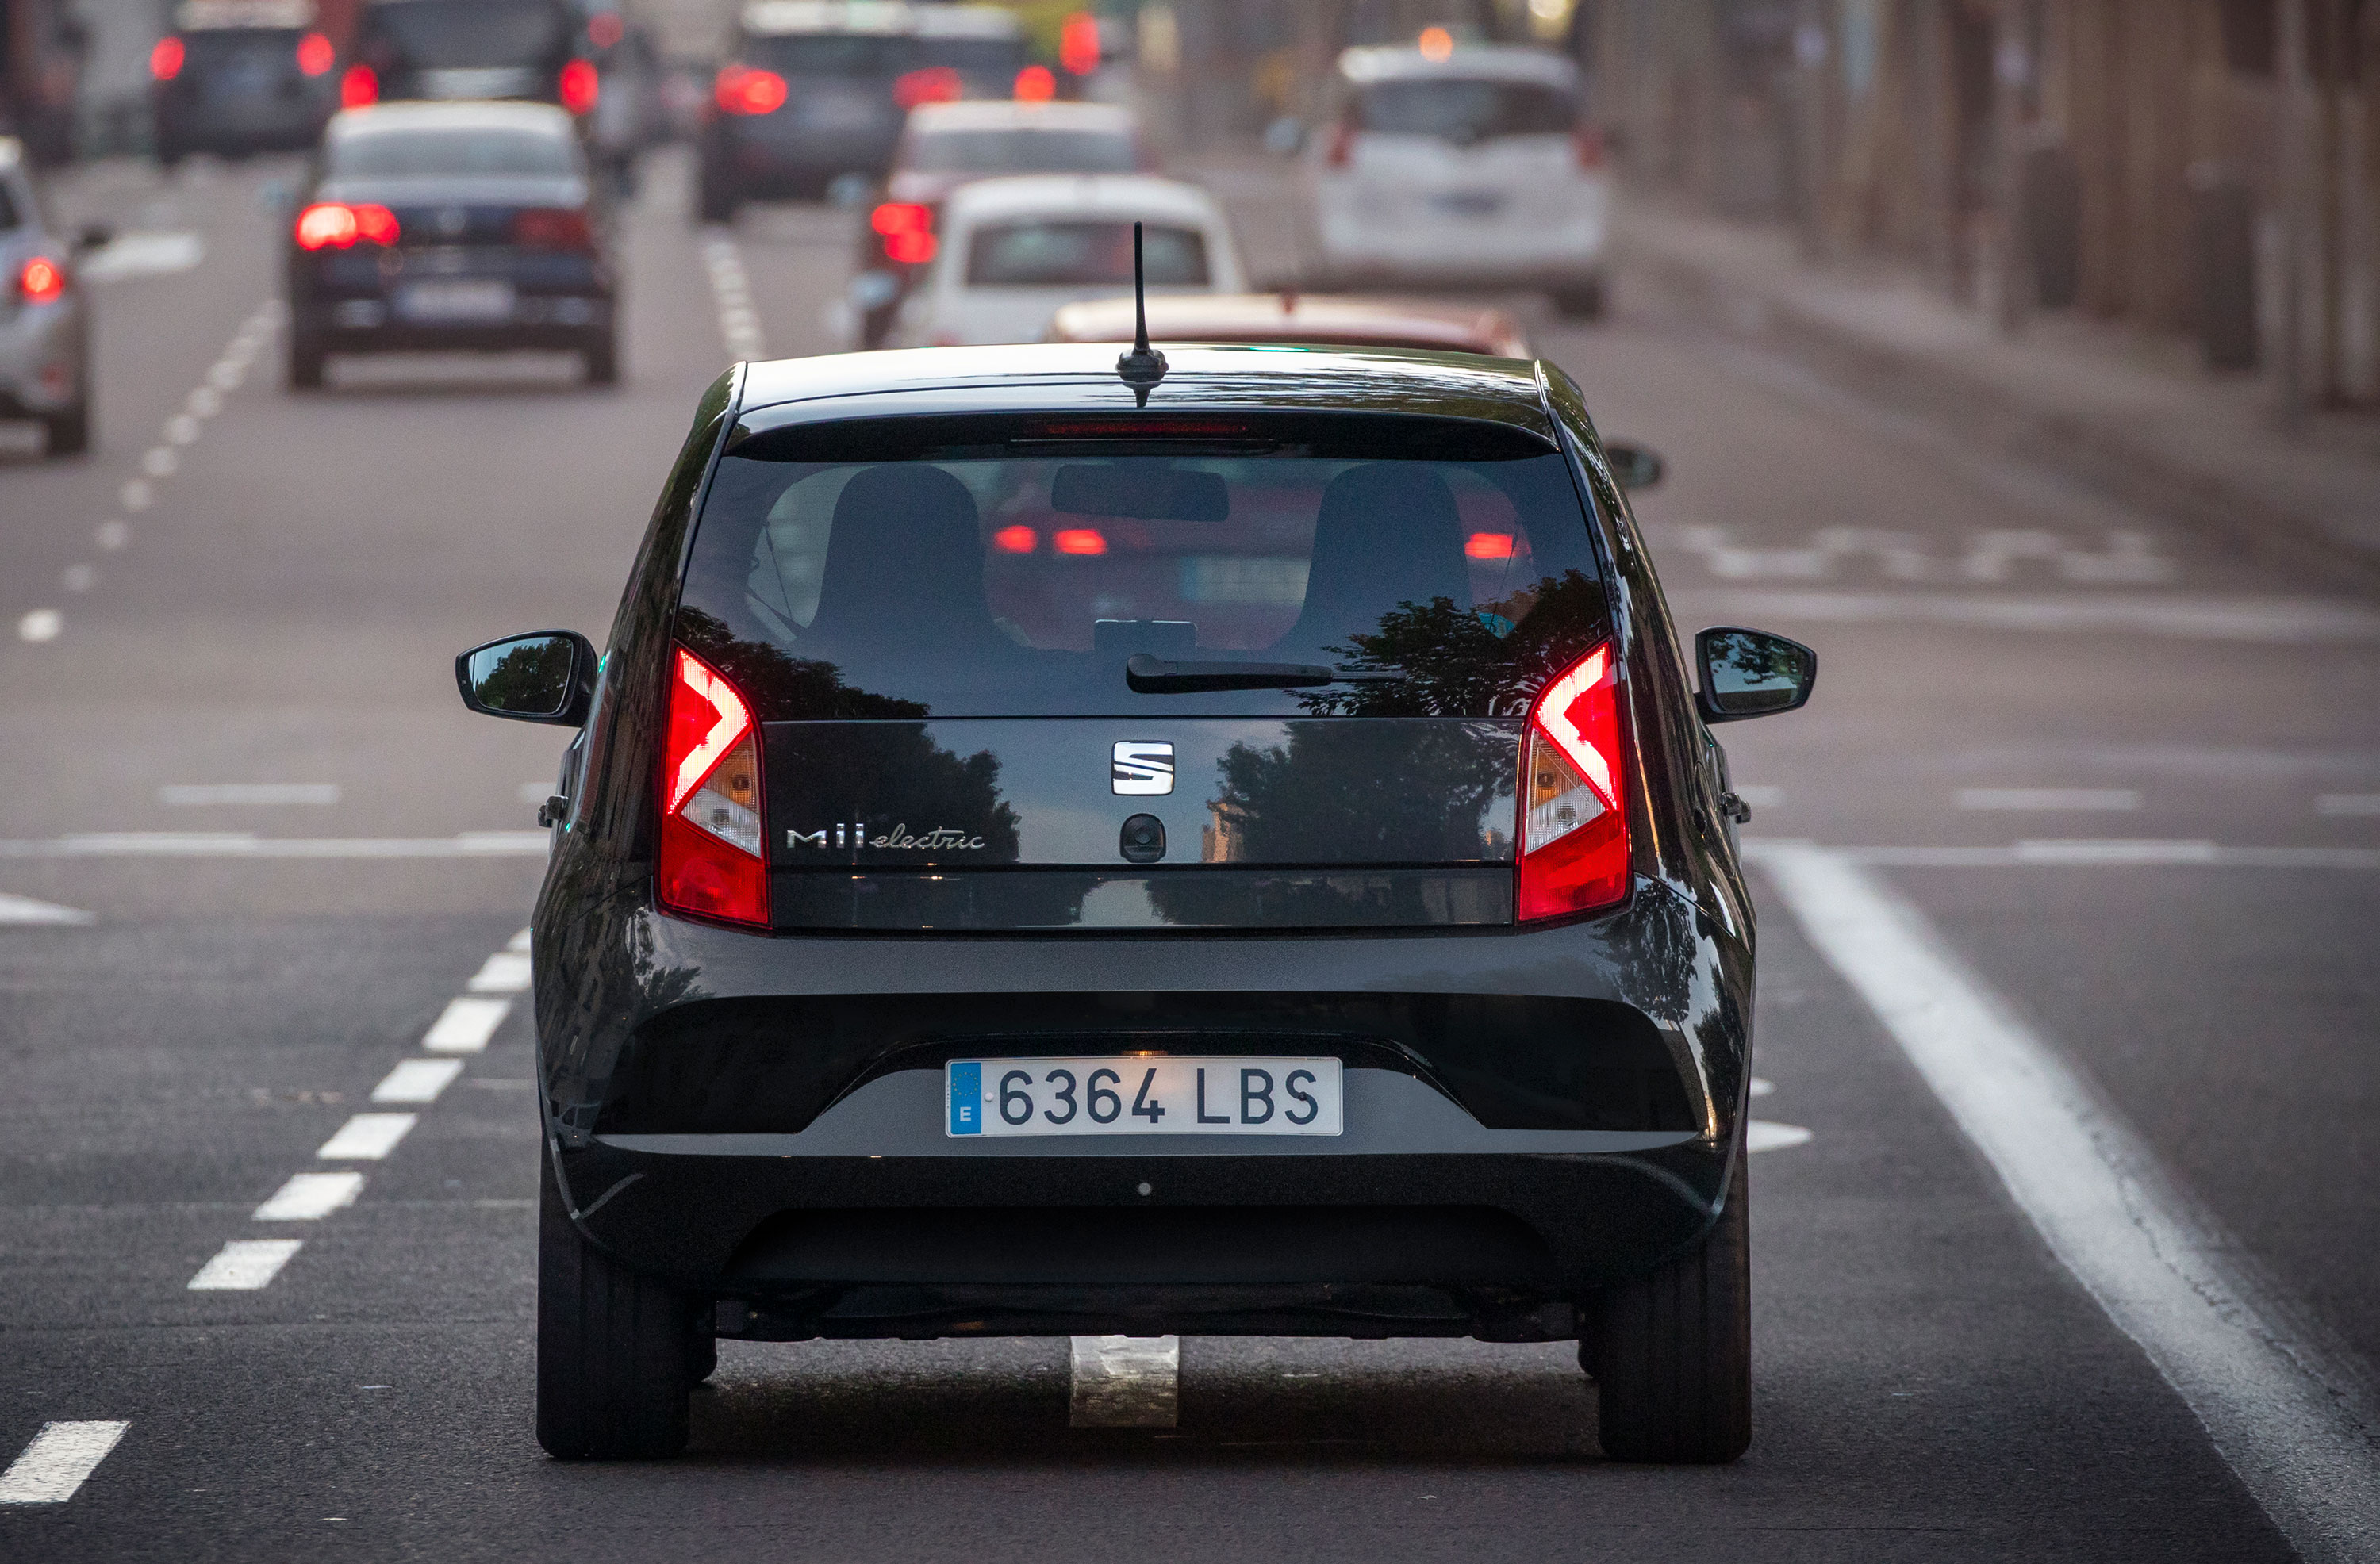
<point>1012,252</point>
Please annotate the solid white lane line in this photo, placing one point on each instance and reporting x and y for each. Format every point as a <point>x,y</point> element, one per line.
<point>367,1137</point>
<point>1761,1134</point>
<point>25,910</point>
<point>2116,850</point>
<point>417,1079</point>
<point>466,1026</point>
<point>2086,852</point>
<point>202,793</point>
<point>1127,1381</point>
<point>40,625</point>
<point>246,1265</point>
<point>506,971</point>
<point>1759,797</point>
<point>1761,1087</point>
<point>519,941</point>
<point>2111,799</point>
<point>2348,804</point>
<point>2284,621</point>
<point>61,1458</point>
<point>310,1197</point>
<point>731,287</point>
<point>2286,1421</point>
<point>248,844</point>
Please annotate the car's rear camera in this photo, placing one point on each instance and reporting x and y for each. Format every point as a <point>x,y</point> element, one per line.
<point>1143,840</point>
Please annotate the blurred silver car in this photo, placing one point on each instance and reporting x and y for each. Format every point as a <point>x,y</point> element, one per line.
<point>44,327</point>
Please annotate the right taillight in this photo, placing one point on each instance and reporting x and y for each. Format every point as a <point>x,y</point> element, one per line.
<point>714,842</point>
<point>166,59</point>
<point>928,84</point>
<point>41,280</point>
<point>1573,844</point>
<point>908,229</point>
<point>741,90</point>
<point>359,88</point>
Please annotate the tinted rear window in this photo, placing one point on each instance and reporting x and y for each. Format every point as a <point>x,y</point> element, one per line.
<point>1021,152</point>
<point>213,48</point>
<point>1065,254</point>
<point>1014,578</point>
<point>829,54</point>
<point>1465,111</point>
<point>454,34</point>
<point>459,152</point>
<point>989,57</point>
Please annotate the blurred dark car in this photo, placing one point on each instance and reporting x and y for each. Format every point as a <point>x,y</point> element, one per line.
<point>451,225</point>
<point>814,90</point>
<point>236,77</point>
<point>631,112</point>
<point>471,49</point>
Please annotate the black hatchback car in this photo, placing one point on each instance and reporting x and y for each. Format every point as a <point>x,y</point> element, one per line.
<point>235,77</point>
<point>470,226</point>
<point>1036,863</point>
<point>411,50</point>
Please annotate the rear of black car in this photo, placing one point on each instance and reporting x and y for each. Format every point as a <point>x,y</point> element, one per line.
<point>451,227</point>
<point>1042,864</point>
<point>237,76</point>
<point>463,50</point>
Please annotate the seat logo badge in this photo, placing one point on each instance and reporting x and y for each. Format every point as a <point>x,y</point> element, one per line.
<point>851,834</point>
<point>1142,767</point>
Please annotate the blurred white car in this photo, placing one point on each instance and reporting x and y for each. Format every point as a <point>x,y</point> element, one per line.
<point>44,329</point>
<point>1462,168</point>
<point>1013,251</point>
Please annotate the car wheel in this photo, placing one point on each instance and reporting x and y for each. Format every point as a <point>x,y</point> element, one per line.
<point>308,359</point>
<point>69,431</point>
<point>1672,1350</point>
<point>613,1348</point>
<point>1582,300</point>
<point>602,355</point>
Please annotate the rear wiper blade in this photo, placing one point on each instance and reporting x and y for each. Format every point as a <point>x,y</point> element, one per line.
<point>1155,675</point>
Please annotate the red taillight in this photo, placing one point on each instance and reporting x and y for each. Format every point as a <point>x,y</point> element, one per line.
<point>359,88</point>
<point>1488,545</point>
<point>579,87</point>
<point>166,59</point>
<point>1018,540</point>
<point>931,84</point>
<point>741,90</point>
<point>552,227</point>
<point>315,54</point>
<point>1342,149</point>
<point>41,280</point>
<point>1588,144</point>
<point>1079,540</point>
<point>336,226</point>
<point>1078,44</point>
<point>1036,85</point>
<point>713,852</point>
<point>908,229</point>
<point>1574,814</point>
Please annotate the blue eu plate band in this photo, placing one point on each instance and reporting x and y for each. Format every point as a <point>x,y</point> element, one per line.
<point>966,1098</point>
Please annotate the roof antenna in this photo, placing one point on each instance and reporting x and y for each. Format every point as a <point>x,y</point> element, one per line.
<point>1143,367</point>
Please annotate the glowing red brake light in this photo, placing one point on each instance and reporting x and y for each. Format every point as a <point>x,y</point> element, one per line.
<point>713,852</point>
<point>1079,540</point>
<point>376,225</point>
<point>166,59</point>
<point>315,54</point>
<point>907,228</point>
<point>1036,85</point>
<point>929,84</point>
<point>1078,44</point>
<point>1017,540</point>
<point>1574,842</point>
<point>41,280</point>
<point>336,226</point>
<point>579,87</point>
<point>359,88</point>
<point>741,90</point>
<point>1488,545</point>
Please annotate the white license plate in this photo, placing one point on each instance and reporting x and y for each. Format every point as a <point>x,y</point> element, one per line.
<point>1142,1095</point>
<point>838,114</point>
<point>456,301</point>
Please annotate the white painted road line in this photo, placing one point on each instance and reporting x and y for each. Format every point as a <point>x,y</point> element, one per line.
<point>155,254</point>
<point>60,1459</point>
<point>247,844</point>
<point>368,1137</point>
<point>25,910</point>
<point>200,794</point>
<point>310,1197</point>
<point>519,941</point>
<point>2087,852</point>
<point>1127,1381</point>
<point>2108,798</point>
<point>246,1265</point>
<point>1761,797</point>
<point>2286,1422</point>
<point>2348,804</point>
<point>2282,621</point>
<point>1760,1134</point>
<point>731,288</point>
<point>40,625</point>
<point>506,971</point>
<point>417,1079</point>
<point>466,1026</point>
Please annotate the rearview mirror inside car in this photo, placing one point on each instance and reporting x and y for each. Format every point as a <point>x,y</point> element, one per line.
<point>1751,674</point>
<point>545,677</point>
<point>1143,490</point>
<point>1633,467</point>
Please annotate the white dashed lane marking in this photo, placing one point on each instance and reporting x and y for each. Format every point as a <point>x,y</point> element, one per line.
<point>2107,798</point>
<point>1760,1134</point>
<point>1127,1381</point>
<point>519,941</point>
<point>417,1079</point>
<point>506,971</point>
<point>368,1137</point>
<point>40,625</point>
<point>731,287</point>
<point>25,910</point>
<point>466,1026</point>
<point>310,1197</point>
<point>59,1461</point>
<point>246,1265</point>
<point>201,794</point>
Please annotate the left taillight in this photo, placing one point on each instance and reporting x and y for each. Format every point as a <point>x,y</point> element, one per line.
<point>315,54</point>
<point>337,226</point>
<point>166,59</point>
<point>359,88</point>
<point>1574,841</point>
<point>579,87</point>
<point>713,840</point>
<point>41,280</point>
<point>1034,84</point>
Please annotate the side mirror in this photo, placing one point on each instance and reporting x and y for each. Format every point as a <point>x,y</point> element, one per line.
<point>1633,467</point>
<point>547,677</point>
<point>1751,674</point>
<point>95,236</point>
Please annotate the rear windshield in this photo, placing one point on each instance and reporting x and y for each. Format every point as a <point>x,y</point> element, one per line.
<point>213,48</point>
<point>1465,111</point>
<point>1021,152</point>
<point>829,54</point>
<point>987,57</point>
<point>454,35</point>
<point>478,151</point>
<point>1069,254</point>
<point>1014,578</point>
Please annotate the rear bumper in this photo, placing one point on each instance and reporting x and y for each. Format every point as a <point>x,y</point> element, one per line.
<point>42,358</point>
<point>764,157</point>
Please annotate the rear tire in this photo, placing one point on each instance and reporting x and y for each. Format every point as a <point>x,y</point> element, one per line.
<point>612,1347</point>
<point>1584,300</point>
<point>602,355</point>
<point>69,431</point>
<point>1672,1350</point>
<point>308,359</point>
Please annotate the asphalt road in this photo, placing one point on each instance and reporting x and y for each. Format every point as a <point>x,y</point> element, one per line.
<point>2105,788</point>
